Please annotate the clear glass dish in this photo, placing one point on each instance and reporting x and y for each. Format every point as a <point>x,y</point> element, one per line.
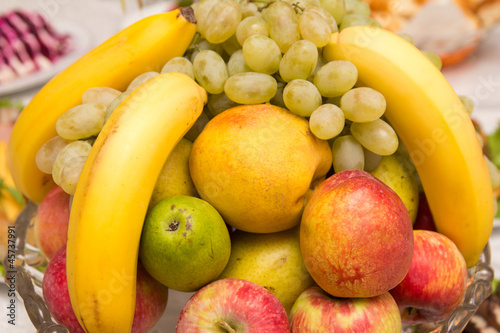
<point>28,282</point>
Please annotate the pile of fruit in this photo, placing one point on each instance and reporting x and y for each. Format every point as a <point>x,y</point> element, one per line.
<point>270,157</point>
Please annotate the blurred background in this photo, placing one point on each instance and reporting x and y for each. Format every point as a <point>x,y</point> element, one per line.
<point>464,33</point>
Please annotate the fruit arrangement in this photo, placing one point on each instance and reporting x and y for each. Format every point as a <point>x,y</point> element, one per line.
<point>268,157</point>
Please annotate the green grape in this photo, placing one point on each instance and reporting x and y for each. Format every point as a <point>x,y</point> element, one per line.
<point>250,88</point>
<point>70,151</point>
<point>283,24</point>
<point>335,78</point>
<point>219,103</point>
<point>407,37</point>
<point>372,160</point>
<point>113,105</point>
<point>201,10</point>
<point>278,97</point>
<point>301,97</point>
<point>376,136</point>
<point>363,104</point>
<point>357,7</point>
<point>325,14</point>
<point>350,20</point>
<point>70,173</point>
<point>237,64</point>
<point>434,58</point>
<point>101,95</point>
<point>222,21</point>
<point>140,79</point>
<point>197,127</point>
<point>250,9</point>
<point>203,44</point>
<point>313,27</point>
<point>179,65</point>
<point>347,154</point>
<point>231,45</point>
<point>327,121</point>
<point>334,100</point>
<point>46,155</point>
<point>320,62</point>
<point>262,54</point>
<point>336,8</point>
<point>210,71</point>
<point>252,25</point>
<point>81,121</point>
<point>468,103</point>
<point>299,61</point>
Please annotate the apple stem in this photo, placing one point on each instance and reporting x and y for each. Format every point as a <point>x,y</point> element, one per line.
<point>226,326</point>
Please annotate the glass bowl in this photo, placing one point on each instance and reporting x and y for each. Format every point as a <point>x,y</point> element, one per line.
<point>27,262</point>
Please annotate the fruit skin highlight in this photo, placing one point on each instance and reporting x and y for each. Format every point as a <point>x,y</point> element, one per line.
<point>256,165</point>
<point>431,121</point>
<point>144,46</point>
<point>113,194</point>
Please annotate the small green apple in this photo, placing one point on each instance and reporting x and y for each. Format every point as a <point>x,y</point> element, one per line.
<point>185,243</point>
<point>271,260</point>
<point>399,174</point>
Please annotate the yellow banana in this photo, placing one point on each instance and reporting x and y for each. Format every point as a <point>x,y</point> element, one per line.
<point>11,201</point>
<point>113,193</point>
<point>144,46</point>
<point>430,120</point>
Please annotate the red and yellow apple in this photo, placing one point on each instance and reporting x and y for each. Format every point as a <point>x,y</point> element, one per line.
<point>436,281</point>
<point>356,236</point>
<point>256,164</point>
<point>51,222</point>
<point>151,297</point>
<point>316,311</point>
<point>233,305</point>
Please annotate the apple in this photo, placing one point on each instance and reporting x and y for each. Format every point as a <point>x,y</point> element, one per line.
<point>356,235</point>
<point>151,297</point>
<point>424,220</point>
<point>316,311</point>
<point>51,222</point>
<point>271,260</point>
<point>436,281</point>
<point>233,306</point>
<point>185,243</point>
<point>255,164</point>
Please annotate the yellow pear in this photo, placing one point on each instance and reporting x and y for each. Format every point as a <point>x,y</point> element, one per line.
<point>255,164</point>
<point>400,175</point>
<point>174,178</point>
<point>272,260</point>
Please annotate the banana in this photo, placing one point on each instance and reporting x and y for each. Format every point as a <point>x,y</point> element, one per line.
<point>433,125</point>
<point>144,46</point>
<point>113,194</point>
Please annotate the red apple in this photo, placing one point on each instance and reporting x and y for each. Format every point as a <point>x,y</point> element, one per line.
<point>356,236</point>
<point>436,281</point>
<point>233,305</point>
<point>151,297</point>
<point>51,222</point>
<point>424,220</point>
<point>316,311</point>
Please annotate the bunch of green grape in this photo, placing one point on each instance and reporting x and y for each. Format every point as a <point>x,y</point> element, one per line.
<point>251,52</point>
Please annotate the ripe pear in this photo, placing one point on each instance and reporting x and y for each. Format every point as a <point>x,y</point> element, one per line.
<point>272,260</point>
<point>255,164</point>
<point>400,175</point>
<point>174,178</point>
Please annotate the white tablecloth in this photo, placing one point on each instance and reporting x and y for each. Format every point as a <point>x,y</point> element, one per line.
<point>478,77</point>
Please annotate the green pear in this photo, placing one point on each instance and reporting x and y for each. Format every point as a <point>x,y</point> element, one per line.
<point>400,175</point>
<point>272,260</point>
<point>174,178</point>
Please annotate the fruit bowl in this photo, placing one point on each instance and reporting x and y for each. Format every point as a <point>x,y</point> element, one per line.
<point>27,263</point>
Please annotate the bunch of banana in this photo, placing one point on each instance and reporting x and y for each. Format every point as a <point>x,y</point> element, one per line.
<point>433,125</point>
<point>141,47</point>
